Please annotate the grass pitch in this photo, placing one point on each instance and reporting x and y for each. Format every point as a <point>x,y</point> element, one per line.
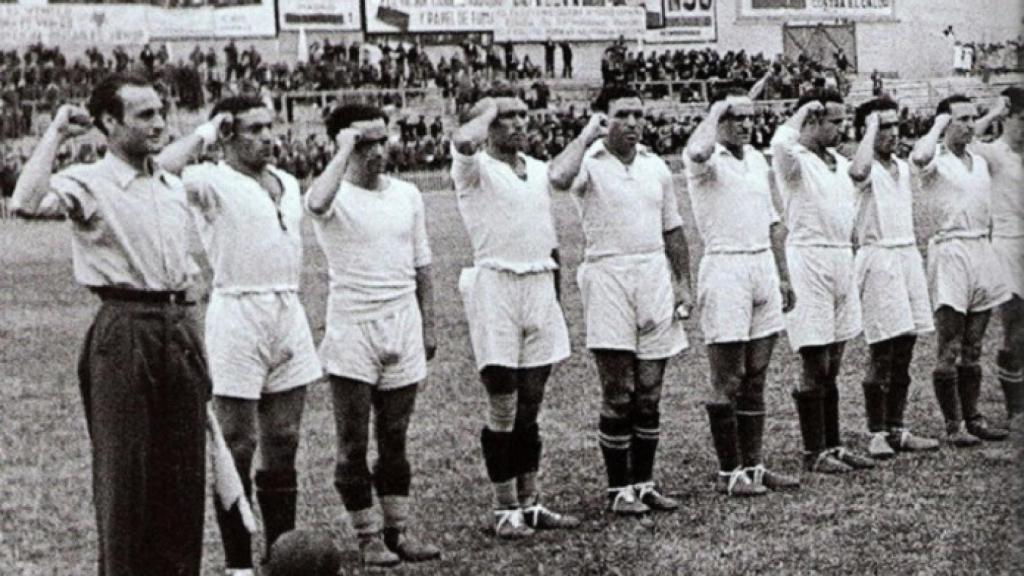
<point>951,512</point>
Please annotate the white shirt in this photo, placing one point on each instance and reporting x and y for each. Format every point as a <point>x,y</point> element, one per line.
<point>819,204</point>
<point>960,199</point>
<point>1007,171</point>
<point>130,229</point>
<point>885,207</point>
<point>508,219</point>
<point>625,208</point>
<point>731,200</point>
<point>374,240</point>
<point>254,243</point>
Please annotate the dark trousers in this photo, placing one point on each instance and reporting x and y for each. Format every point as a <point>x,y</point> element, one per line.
<point>144,386</point>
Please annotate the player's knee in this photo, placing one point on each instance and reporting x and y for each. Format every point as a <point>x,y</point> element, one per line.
<point>501,412</point>
<point>283,439</point>
<point>241,443</point>
<point>526,414</point>
<point>616,406</point>
<point>727,382</point>
<point>948,354</point>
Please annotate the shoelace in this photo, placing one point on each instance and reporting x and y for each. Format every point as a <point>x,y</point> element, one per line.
<point>734,478</point>
<point>537,510</point>
<point>643,489</point>
<point>757,473</point>
<point>513,518</point>
<point>625,494</point>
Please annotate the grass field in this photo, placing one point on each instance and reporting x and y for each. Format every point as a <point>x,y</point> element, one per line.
<point>951,512</point>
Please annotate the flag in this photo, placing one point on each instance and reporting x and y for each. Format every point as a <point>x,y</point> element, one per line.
<point>227,485</point>
<point>302,57</point>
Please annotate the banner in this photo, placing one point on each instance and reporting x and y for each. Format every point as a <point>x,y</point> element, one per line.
<point>211,19</point>
<point>510,20</point>
<point>336,15</point>
<point>394,16</point>
<point>576,23</point>
<point>24,25</point>
<point>131,22</point>
<point>681,20</point>
<point>817,9</point>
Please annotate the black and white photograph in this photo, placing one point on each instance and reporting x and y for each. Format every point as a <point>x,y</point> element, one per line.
<point>487,287</point>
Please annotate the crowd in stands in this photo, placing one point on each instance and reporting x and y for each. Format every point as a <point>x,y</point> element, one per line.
<point>688,69</point>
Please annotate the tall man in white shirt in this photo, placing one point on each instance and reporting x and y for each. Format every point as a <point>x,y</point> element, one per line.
<point>380,326</point>
<point>890,278</point>
<point>635,283</point>
<point>1005,166</point>
<point>516,325</point>
<point>819,203</point>
<point>260,347</point>
<point>963,273</point>
<point>742,288</point>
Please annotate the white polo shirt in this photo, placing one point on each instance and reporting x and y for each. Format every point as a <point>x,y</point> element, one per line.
<point>885,207</point>
<point>625,208</point>
<point>254,243</point>
<point>960,199</point>
<point>731,200</point>
<point>819,204</point>
<point>1007,172</point>
<point>374,240</point>
<point>508,219</point>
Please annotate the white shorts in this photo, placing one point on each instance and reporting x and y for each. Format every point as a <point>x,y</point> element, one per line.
<point>514,319</point>
<point>629,304</point>
<point>964,274</point>
<point>386,352</point>
<point>259,343</point>
<point>1010,258</point>
<point>827,308</point>
<point>893,292</point>
<point>738,297</point>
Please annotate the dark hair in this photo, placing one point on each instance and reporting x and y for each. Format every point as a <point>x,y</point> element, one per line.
<point>823,95</point>
<point>724,92</point>
<point>946,105</point>
<point>611,93</point>
<point>343,116</point>
<point>874,105</point>
<point>106,100</point>
<point>1016,96</point>
<point>502,89</point>
<point>235,105</point>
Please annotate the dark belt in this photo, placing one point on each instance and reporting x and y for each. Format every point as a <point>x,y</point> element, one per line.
<point>143,296</point>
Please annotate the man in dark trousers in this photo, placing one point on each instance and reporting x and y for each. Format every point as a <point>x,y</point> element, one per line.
<point>142,370</point>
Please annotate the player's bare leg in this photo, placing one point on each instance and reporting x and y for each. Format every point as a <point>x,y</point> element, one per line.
<point>1010,360</point>
<point>616,369</point>
<point>969,376</point>
<point>901,438</point>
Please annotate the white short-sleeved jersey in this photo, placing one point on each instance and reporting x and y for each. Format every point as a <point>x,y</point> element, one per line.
<point>374,240</point>
<point>957,200</point>
<point>625,208</point>
<point>885,207</point>
<point>508,218</point>
<point>731,200</point>
<point>254,243</point>
<point>819,204</point>
<point>1007,171</point>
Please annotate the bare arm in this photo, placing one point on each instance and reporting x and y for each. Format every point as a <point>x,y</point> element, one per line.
<point>183,151</point>
<point>34,182</point>
<point>787,136</point>
<point>997,111</point>
<point>469,137</point>
<point>323,190</point>
<point>702,142</point>
<point>425,299</point>
<point>924,150</point>
<point>778,237</point>
<point>860,168</point>
<point>562,170</point>
<point>677,250</point>
<point>758,87</point>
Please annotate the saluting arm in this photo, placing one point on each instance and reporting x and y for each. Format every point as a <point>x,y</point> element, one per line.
<point>323,190</point>
<point>34,183</point>
<point>564,168</point>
